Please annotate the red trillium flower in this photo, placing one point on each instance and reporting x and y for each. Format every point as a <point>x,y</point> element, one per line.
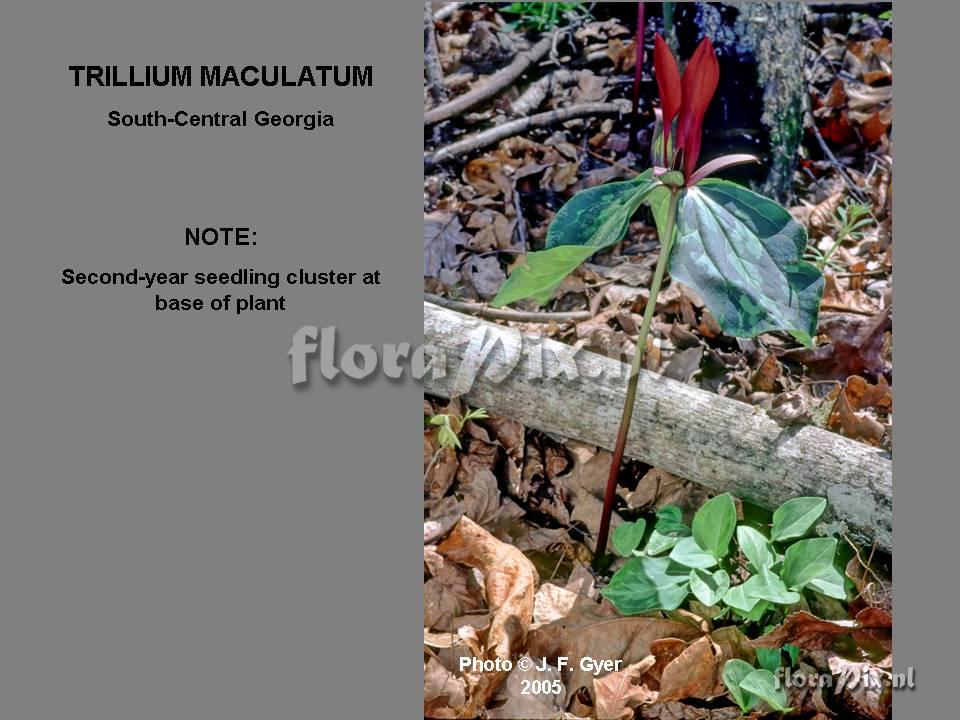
<point>685,99</point>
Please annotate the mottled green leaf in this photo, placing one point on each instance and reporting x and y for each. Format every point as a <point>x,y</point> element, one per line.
<point>736,598</point>
<point>592,220</point>
<point>648,583</point>
<point>600,215</point>
<point>742,253</point>
<point>769,658</point>
<point>670,521</point>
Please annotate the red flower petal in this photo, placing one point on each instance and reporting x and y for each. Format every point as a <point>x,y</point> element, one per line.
<point>699,83</point>
<point>668,82</point>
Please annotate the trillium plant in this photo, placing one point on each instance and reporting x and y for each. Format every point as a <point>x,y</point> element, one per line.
<point>740,251</point>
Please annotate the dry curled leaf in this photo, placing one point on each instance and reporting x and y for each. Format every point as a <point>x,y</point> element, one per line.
<point>812,633</point>
<point>859,426</point>
<point>510,581</point>
<point>695,673</point>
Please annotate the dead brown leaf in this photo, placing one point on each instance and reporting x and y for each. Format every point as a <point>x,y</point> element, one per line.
<point>596,630</point>
<point>442,233</point>
<point>444,694</point>
<point>861,394</point>
<point>766,377</point>
<point>514,700</point>
<point>859,426</point>
<point>674,710</point>
<point>510,581</point>
<point>486,176</point>
<point>734,644</point>
<point>811,633</point>
<point>854,345</point>
<point>695,673</point>
<point>618,693</point>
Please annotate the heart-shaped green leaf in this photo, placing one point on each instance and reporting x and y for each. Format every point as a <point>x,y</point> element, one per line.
<point>709,587</point>
<point>592,220</point>
<point>659,543</point>
<point>648,583</point>
<point>627,536</point>
<point>736,598</point>
<point>742,253</point>
<point>756,548</point>
<point>830,583</point>
<point>764,685</point>
<point>714,523</point>
<point>670,520</point>
<point>688,553</point>
<point>795,517</point>
<point>764,585</point>
<point>734,671</point>
<point>769,658</point>
<point>807,559</point>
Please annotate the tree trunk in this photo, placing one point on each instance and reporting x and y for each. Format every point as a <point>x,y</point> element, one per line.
<point>775,31</point>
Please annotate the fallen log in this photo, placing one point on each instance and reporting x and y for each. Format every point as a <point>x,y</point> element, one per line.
<point>720,443</point>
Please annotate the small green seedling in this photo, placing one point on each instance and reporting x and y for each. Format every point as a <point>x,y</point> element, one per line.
<point>748,686</point>
<point>848,223</point>
<point>733,567</point>
<point>540,16</point>
<point>450,426</point>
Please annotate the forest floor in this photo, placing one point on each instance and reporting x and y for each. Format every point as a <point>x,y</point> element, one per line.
<point>487,201</point>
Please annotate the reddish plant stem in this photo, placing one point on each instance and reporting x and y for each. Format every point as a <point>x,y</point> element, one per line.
<point>666,245</point>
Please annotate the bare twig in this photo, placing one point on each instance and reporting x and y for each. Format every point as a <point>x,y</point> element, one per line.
<point>840,307</point>
<point>515,127</point>
<point>611,161</point>
<point>432,70</point>
<point>540,90</point>
<point>506,313</point>
<point>854,189</point>
<point>862,273</point>
<point>521,221</point>
<point>496,83</point>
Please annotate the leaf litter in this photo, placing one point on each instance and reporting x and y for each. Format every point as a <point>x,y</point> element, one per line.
<point>509,519</point>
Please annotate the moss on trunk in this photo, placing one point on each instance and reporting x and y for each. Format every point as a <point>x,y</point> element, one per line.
<point>775,32</point>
